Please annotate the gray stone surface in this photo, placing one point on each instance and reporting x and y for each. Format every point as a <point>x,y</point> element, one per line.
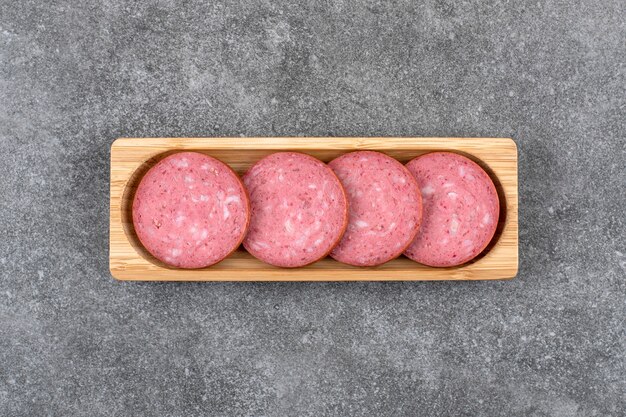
<point>75,75</point>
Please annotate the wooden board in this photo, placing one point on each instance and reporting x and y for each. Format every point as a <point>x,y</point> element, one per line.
<point>132,157</point>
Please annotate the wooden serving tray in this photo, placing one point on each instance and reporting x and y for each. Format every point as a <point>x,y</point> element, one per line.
<point>132,157</point>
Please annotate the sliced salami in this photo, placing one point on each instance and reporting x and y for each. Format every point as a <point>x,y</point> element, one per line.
<point>299,209</point>
<point>385,208</point>
<point>461,209</point>
<point>190,210</point>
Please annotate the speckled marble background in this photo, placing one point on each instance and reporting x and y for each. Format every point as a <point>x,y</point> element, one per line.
<point>75,75</point>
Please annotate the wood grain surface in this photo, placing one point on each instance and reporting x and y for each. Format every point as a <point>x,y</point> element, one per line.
<point>132,157</point>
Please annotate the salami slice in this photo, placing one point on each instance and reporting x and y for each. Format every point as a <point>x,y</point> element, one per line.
<point>385,208</point>
<point>190,210</point>
<point>299,209</point>
<point>461,209</point>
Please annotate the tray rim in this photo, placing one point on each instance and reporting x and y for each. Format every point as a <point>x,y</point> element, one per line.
<point>492,266</point>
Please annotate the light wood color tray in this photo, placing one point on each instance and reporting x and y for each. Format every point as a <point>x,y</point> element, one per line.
<point>132,157</point>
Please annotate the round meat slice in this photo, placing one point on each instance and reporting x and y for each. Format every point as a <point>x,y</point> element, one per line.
<point>299,209</point>
<point>385,208</point>
<point>461,209</point>
<point>190,210</point>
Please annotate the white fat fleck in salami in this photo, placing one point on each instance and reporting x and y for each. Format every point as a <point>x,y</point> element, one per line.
<point>385,208</point>
<point>181,162</point>
<point>176,206</point>
<point>299,209</point>
<point>428,189</point>
<point>360,223</point>
<point>461,209</point>
<point>289,227</point>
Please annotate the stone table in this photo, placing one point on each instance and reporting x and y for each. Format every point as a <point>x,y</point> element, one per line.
<point>76,75</point>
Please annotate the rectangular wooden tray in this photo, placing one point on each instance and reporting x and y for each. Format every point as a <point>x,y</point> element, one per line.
<point>132,157</point>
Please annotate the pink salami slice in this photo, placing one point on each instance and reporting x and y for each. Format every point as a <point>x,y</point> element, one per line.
<point>190,210</point>
<point>385,208</point>
<point>299,209</point>
<point>461,209</point>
